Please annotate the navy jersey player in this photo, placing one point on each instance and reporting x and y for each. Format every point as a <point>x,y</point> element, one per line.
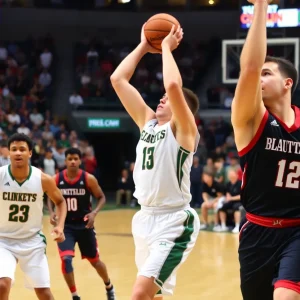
<point>267,135</point>
<point>78,186</point>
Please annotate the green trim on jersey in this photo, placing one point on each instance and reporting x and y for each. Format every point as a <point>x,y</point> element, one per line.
<point>175,256</point>
<point>181,157</point>
<point>14,179</point>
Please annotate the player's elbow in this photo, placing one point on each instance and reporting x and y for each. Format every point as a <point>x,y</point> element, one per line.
<point>115,79</point>
<point>172,85</point>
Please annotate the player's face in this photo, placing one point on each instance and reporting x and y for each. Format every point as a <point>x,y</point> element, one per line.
<point>273,84</point>
<point>73,162</point>
<point>19,154</point>
<point>163,109</point>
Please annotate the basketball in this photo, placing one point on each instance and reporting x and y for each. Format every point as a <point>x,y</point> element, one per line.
<point>158,27</point>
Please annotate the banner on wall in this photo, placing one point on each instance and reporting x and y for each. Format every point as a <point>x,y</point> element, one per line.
<point>277,17</point>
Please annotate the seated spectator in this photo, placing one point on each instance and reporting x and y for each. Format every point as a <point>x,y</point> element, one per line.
<point>220,173</point>
<point>75,99</point>
<point>213,197</point>
<point>46,59</point>
<point>36,118</point>
<point>90,162</point>
<point>4,154</point>
<point>232,202</point>
<point>45,78</point>
<point>47,134</point>
<point>123,188</point>
<point>23,129</point>
<point>13,118</point>
<point>234,163</point>
<point>48,164</point>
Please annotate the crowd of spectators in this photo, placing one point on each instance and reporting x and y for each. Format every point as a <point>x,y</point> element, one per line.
<point>27,71</point>
<point>96,60</point>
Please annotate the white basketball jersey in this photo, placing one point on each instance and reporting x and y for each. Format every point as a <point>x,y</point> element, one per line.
<point>21,205</point>
<point>162,169</point>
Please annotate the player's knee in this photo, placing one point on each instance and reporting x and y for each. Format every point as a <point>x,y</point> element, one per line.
<point>140,294</point>
<point>5,284</point>
<point>67,266</point>
<point>286,294</point>
<point>95,263</point>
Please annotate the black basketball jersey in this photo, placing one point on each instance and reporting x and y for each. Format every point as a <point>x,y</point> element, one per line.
<point>77,196</point>
<point>271,169</point>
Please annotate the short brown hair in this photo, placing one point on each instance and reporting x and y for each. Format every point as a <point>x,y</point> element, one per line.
<point>286,68</point>
<point>192,100</point>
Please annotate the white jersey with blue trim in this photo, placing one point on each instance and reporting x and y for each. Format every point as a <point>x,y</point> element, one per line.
<point>162,168</point>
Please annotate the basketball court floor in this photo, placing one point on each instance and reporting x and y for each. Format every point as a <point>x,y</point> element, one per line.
<point>211,271</point>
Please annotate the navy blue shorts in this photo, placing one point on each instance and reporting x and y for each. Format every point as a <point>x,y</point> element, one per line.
<point>87,243</point>
<point>269,258</point>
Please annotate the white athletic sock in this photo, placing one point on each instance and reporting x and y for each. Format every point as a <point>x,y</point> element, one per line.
<point>74,294</point>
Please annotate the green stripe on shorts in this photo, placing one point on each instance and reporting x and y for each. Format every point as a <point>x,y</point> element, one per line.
<point>43,237</point>
<point>175,256</point>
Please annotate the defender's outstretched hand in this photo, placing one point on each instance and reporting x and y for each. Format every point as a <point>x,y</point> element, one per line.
<point>145,43</point>
<point>173,39</point>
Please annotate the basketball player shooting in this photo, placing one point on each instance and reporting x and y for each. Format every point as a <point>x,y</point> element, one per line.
<point>21,207</point>
<point>166,228</point>
<point>267,135</point>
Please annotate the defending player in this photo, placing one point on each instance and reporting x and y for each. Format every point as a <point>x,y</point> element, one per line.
<point>78,186</point>
<point>267,135</point>
<point>166,228</point>
<point>21,208</point>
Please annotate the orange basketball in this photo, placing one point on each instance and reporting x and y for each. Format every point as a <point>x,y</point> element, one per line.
<point>158,27</point>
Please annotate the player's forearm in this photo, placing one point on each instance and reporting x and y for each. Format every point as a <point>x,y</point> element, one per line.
<point>255,48</point>
<point>171,72</point>
<point>61,212</point>
<point>100,204</point>
<point>127,67</point>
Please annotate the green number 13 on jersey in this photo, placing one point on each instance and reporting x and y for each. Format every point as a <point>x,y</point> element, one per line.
<point>148,158</point>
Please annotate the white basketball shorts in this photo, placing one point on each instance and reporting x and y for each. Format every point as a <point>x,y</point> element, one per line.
<point>30,254</point>
<point>163,240</point>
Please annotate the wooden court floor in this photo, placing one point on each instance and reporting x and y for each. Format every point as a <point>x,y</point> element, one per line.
<point>211,271</point>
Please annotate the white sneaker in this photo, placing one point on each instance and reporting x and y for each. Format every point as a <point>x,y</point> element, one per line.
<point>223,228</point>
<point>217,228</point>
<point>203,226</point>
<point>235,229</point>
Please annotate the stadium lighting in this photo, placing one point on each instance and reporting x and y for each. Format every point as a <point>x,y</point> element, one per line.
<point>211,2</point>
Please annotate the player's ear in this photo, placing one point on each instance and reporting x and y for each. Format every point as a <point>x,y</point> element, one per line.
<point>30,153</point>
<point>289,83</point>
